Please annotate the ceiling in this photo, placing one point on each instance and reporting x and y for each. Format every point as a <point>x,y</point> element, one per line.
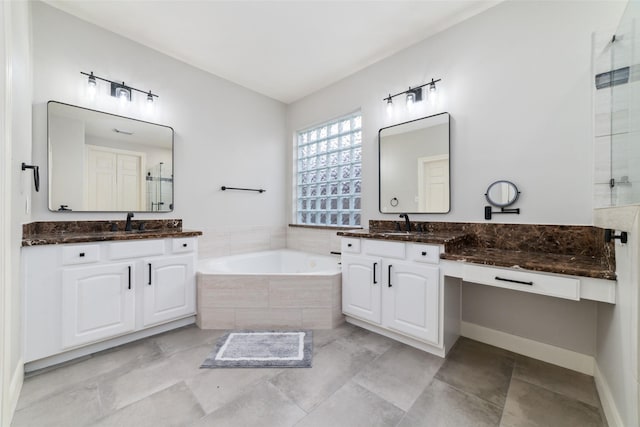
<point>282,49</point>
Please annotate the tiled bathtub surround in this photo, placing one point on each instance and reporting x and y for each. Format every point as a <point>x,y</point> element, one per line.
<point>59,232</point>
<point>564,249</point>
<point>313,239</point>
<point>274,302</point>
<point>224,241</point>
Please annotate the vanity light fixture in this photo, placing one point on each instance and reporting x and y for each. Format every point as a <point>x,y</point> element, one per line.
<point>91,85</point>
<point>118,90</point>
<point>414,94</point>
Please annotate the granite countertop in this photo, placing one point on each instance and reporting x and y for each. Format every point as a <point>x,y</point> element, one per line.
<point>572,250</point>
<point>62,232</point>
<point>437,237</point>
<point>575,265</point>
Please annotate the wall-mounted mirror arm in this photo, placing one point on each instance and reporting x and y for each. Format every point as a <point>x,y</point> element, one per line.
<point>488,211</point>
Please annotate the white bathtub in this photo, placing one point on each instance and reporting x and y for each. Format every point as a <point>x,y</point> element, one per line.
<point>279,289</point>
<point>277,262</point>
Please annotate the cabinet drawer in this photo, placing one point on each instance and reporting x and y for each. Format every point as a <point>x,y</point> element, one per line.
<point>555,286</point>
<point>350,245</point>
<point>384,249</point>
<point>424,253</point>
<point>187,244</point>
<point>139,248</point>
<point>80,254</point>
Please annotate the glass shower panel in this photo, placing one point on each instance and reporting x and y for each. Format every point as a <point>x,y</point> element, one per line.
<point>159,188</point>
<point>625,110</point>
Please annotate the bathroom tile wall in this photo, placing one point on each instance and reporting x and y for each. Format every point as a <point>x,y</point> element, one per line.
<point>315,240</point>
<point>222,241</point>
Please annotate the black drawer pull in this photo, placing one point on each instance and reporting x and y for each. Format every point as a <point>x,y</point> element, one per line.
<point>374,273</point>
<point>424,253</point>
<point>129,267</point>
<point>349,245</point>
<point>390,274</point>
<point>514,281</point>
<point>81,254</point>
<point>149,274</point>
<point>184,245</point>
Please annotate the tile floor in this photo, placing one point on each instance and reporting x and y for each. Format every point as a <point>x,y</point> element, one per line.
<point>358,379</point>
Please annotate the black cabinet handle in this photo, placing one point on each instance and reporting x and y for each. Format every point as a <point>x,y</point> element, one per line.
<point>184,245</point>
<point>514,281</point>
<point>129,267</point>
<point>374,273</point>
<point>149,274</point>
<point>81,254</point>
<point>349,245</point>
<point>424,253</point>
<point>390,274</point>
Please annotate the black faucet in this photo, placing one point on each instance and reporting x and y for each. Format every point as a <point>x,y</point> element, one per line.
<point>406,221</point>
<point>127,226</point>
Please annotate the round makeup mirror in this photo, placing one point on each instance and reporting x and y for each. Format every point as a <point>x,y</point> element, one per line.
<point>502,194</point>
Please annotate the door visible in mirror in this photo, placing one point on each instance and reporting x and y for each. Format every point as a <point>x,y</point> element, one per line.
<point>414,166</point>
<point>100,162</point>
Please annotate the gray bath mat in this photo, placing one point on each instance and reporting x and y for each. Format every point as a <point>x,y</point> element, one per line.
<point>264,349</point>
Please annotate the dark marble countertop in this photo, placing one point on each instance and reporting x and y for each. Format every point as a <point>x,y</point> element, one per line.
<point>80,237</point>
<point>575,265</point>
<point>436,237</point>
<point>62,232</point>
<point>551,249</point>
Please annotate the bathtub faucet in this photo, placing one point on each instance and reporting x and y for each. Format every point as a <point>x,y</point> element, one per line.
<point>406,221</point>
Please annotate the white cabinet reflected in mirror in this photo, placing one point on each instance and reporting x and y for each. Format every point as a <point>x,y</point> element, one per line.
<point>414,166</point>
<point>100,162</point>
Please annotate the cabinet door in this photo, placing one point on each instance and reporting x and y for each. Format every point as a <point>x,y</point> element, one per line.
<point>361,287</point>
<point>169,289</point>
<point>98,302</point>
<point>411,299</point>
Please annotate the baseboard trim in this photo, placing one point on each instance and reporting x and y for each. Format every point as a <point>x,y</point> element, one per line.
<point>606,398</point>
<point>547,353</point>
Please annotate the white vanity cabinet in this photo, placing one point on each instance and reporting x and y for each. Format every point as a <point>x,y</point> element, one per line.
<point>168,289</point>
<point>394,288</point>
<point>411,299</point>
<point>77,295</point>
<point>97,302</point>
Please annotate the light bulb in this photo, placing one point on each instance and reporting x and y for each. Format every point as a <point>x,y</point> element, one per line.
<point>411,97</point>
<point>432,87</point>
<point>389,105</point>
<point>91,86</point>
<point>149,98</point>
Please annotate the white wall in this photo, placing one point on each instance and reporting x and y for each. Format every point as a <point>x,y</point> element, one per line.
<point>224,134</point>
<point>16,191</point>
<point>516,80</point>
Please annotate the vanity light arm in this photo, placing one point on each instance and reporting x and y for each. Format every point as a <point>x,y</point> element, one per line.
<point>146,92</point>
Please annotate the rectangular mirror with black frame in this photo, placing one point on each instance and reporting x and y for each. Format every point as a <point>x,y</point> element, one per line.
<point>414,166</point>
<point>100,162</point>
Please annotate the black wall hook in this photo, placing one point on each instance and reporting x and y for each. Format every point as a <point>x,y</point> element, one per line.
<point>36,174</point>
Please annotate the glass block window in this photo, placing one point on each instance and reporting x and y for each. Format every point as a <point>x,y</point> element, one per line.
<point>329,172</point>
